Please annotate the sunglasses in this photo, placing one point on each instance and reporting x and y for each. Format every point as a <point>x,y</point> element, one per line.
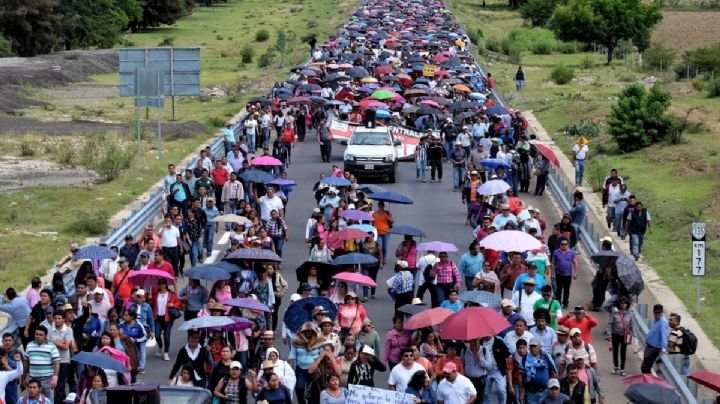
<point>563,243</point>
<point>408,356</point>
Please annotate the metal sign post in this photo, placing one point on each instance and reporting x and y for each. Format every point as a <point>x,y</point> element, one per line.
<point>698,258</point>
<point>149,94</point>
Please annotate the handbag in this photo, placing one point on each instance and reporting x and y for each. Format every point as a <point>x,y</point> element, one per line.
<point>628,336</point>
<point>174,313</point>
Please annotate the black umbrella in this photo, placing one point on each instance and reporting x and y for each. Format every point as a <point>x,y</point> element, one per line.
<point>439,100</point>
<point>629,275</point>
<point>459,118</point>
<point>412,308</point>
<point>651,394</point>
<point>318,100</point>
<point>262,100</point>
<point>284,96</point>
<point>605,258</point>
<point>452,81</point>
<point>357,72</point>
<point>416,59</point>
<point>310,87</point>
<point>326,270</point>
<point>425,110</point>
<point>464,105</point>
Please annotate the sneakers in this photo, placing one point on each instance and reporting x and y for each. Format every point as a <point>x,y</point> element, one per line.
<point>166,357</point>
<point>159,354</point>
<point>614,371</point>
<point>622,372</point>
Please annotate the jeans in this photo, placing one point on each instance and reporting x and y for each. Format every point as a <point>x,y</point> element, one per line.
<point>372,272</point>
<point>45,388</point>
<point>279,243</point>
<point>421,169</point>
<point>649,358</point>
<point>442,291</point>
<point>62,381</point>
<point>610,215</point>
<point>636,242</point>
<point>230,208</point>
<point>265,137</point>
<point>534,397</point>
<point>209,237</point>
<point>142,355</point>
<point>244,358</point>
<point>562,292</point>
<point>195,249</point>
<point>495,378</point>
<point>449,146</point>
<point>302,378</point>
<point>579,171</point>
<point>162,333</point>
<point>468,282</point>
<point>617,222</point>
<point>458,175</point>
<point>384,239</point>
<point>519,85</point>
<point>250,137</point>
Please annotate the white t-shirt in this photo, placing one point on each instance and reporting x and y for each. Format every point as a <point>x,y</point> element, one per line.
<point>526,304</point>
<point>580,152</point>
<point>457,392</point>
<point>162,300</point>
<point>169,237</point>
<point>399,376</point>
<point>267,205</point>
<point>613,192</point>
<point>250,126</point>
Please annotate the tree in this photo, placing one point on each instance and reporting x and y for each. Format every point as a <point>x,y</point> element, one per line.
<point>640,117</point>
<point>159,12</point>
<point>88,23</point>
<point>538,12</point>
<point>649,16</point>
<point>605,21</point>
<point>31,26</point>
<point>132,10</point>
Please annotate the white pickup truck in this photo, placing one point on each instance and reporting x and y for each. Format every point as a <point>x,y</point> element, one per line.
<point>372,152</point>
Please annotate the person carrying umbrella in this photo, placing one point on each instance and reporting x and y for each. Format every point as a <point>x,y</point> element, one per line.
<point>448,277</point>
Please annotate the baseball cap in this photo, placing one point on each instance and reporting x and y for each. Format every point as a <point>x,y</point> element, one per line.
<point>553,383</point>
<point>529,281</point>
<point>534,341</point>
<point>449,367</point>
<point>145,254</point>
<point>74,247</point>
<point>268,334</point>
<point>473,172</point>
<point>235,365</point>
<point>417,300</point>
<point>128,237</point>
<point>295,297</point>
<point>402,264</point>
<point>122,259</point>
<point>140,292</point>
<point>305,286</point>
<point>562,330</point>
<point>575,331</point>
<point>507,303</point>
<point>458,143</point>
<point>99,291</point>
<point>504,206</point>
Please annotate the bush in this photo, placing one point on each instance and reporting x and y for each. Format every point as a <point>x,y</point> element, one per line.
<point>5,47</point>
<point>65,153</point>
<point>539,41</point>
<point>562,74</point>
<point>570,48</point>
<point>27,148</point>
<point>91,225</point>
<point>266,58</point>
<point>538,12</point>
<point>658,58</point>
<point>167,41</point>
<point>214,122</point>
<point>112,160</point>
<point>587,62</point>
<point>697,84</point>
<point>246,54</point>
<point>584,128</point>
<point>713,87</point>
<point>596,171</point>
<point>262,35</point>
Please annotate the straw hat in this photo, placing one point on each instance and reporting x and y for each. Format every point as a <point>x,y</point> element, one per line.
<point>582,141</point>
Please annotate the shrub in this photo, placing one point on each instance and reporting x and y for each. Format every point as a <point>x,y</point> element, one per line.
<point>658,58</point>
<point>281,42</point>
<point>65,153</point>
<point>246,54</point>
<point>596,171</point>
<point>713,87</point>
<point>562,74</point>
<point>167,41</point>
<point>538,12</point>
<point>262,35</point>
<point>219,37</point>
<point>698,84</point>
<point>493,45</point>
<point>583,127</point>
<point>91,225</point>
<point>569,48</point>
<point>539,41</point>
<point>5,47</point>
<point>110,162</point>
<point>214,122</point>
<point>27,148</point>
<point>266,58</point>
<point>587,62</point>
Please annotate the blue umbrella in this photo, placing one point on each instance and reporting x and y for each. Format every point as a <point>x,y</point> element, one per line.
<point>256,176</point>
<point>496,110</point>
<point>206,322</point>
<point>281,181</point>
<point>253,254</point>
<point>336,181</point>
<point>355,259</point>
<point>209,272</point>
<point>371,188</point>
<point>301,311</point>
<point>494,163</point>
<point>392,197</point>
<point>94,252</point>
<point>407,231</point>
<point>367,228</point>
<point>477,96</point>
<point>383,114</point>
<point>100,360</point>
<point>481,297</point>
<point>227,266</point>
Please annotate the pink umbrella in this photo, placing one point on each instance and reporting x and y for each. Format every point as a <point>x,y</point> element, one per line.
<point>471,323</point>
<point>148,278</point>
<point>510,240</point>
<point>354,277</point>
<point>430,102</point>
<point>265,161</point>
<point>645,379</point>
<point>347,234</point>
<point>427,318</point>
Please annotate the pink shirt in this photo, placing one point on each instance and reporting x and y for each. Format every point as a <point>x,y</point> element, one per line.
<point>32,296</point>
<point>351,317</point>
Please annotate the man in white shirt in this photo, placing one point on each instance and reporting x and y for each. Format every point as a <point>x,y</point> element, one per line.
<point>581,152</point>
<point>109,267</point>
<point>525,299</point>
<point>519,332</point>
<point>401,374</point>
<point>428,259</point>
<point>268,203</point>
<point>170,243</point>
<point>455,388</point>
<point>251,125</point>
<point>99,305</point>
<point>613,191</point>
<point>62,336</point>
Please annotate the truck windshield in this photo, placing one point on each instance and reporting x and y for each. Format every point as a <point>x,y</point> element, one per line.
<point>370,138</point>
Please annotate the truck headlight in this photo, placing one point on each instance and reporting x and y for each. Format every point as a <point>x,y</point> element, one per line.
<point>389,158</point>
<point>350,157</point>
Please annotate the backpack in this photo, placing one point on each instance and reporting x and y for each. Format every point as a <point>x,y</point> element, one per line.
<point>690,342</point>
<point>587,349</point>
<point>42,399</point>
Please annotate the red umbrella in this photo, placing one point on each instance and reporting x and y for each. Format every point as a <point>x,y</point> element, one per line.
<point>148,278</point>
<point>645,379</point>
<point>371,103</point>
<point>708,379</point>
<point>547,152</point>
<point>471,323</point>
<point>384,69</point>
<point>349,233</point>
<point>439,59</point>
<point>428,318</point>
<point>299,101</point>
<point>354,277</point>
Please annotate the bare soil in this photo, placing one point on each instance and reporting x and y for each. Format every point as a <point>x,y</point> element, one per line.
<point>18,173</point>
<point>687,30</point>
<point>13,125</point>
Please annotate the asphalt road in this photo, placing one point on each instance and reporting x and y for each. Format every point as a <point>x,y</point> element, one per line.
<point>438,211</point>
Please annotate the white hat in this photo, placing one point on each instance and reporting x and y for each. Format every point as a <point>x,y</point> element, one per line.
<point>417,300</point>
<point>99,291</point>
<point>235,364</point>
<point>458,143</point>
<point>402,264</point>
<point>367,350</point>
<point>553,383</point>
<point>316,210</point>
<point>295,297</point>
<point>70,398</point>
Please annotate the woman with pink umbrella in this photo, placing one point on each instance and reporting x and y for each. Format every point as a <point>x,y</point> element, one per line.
<point>350,316</point>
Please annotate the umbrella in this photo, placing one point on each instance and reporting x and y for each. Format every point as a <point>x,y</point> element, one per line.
<point>708,379</point>
<point>427,318</point>
<point>426,110</point>
<point>494,163</point>
<point>336,181</point>
<point>256,176</point>
<point>208,272</point>
<point>391,197</point>
<point>239,324</point>
<point>644,378</point>
<point>100,360</point>
<point>367,228</point>
<point>369,80</point>
<point>384,69</point>
<point>95,253</point>
<point>510,240</point>
<point>651,394</point>
<point>481,297</point>
<point>206,322</point>
<point>253,254</point>
<point>459,118</point>
<point>383,94</point>
<point>354,277</point>
<point>148,278</point>
<point>430,103</point>
<point>355,214</point>
<point>605,258</point>
<point>383,114</point>
<point>261,100</point>
<point>281,182</point>
<point>355,259</point>
<point>247,303</point>
<point>493,187</point>
<point>370,103</point>
<point>629,275</point>
<point>230,218</point>
<point>471,323</point>
<point>325,270</point>
<point>477,96</point>
<point>357,72</point>
<point>299,101</point>
<point>407,231</point>
<point>265,161</point>
<point>371,188</point>
<point>347,234</point>
<point>496,110</point>
<point>547,153</point>
<point>227,266</point>
<point>412,308</point>
<point>438,246</point>
<point>301,311</point>
<point>462,87</point>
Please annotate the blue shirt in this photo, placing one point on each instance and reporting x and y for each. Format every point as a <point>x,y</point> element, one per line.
<point>197,297</point>
<point>403,282</point>
<point>659,334</point>
<point>539,282</point>
<point>211,215</point>
<point>17,308</point>
<point>470,264</point>
<point>578,213</point>
<point>446,304</point>
<point>178,191</point>
<point>229,135</point>
<point>31,401</point>
<point>501,220</point>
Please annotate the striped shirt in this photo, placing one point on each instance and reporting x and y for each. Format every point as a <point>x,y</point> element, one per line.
<point>41,359</point>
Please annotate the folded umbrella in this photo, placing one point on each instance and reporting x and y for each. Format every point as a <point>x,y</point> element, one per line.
<point>390,197</point>
<point>481,297</point>
<point>629,275</point>
<point>253,254</point>
<point>301,311</point>
<point>651,394</point>
<point>95,253</point>
<point>407,231</point>
<point>439,246</point>
<point>148,278</point>
<point>354,214</point>
<point>208,272</point>
<point>247,303</point>
<point>100,360</point>
<point>471,323</point>
<point>206,322</point>
<point>493,187</point>
<point>510,240</point>
<point>427,318</point>
<point>354,277</point>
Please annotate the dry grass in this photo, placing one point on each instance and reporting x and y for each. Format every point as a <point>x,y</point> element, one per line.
<point>687,30</point>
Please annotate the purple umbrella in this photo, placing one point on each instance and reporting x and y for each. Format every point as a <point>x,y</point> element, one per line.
<point>354,214</point>
<point>240,324</point>
<point>438,246</point>
<point>247,303</point>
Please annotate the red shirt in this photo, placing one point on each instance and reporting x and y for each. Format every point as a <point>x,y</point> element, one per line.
<point>164,267</point>
<point>219,176</point>
<point>585,324</point>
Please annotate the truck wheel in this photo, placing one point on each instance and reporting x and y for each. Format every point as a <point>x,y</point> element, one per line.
<point>391,177</point>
